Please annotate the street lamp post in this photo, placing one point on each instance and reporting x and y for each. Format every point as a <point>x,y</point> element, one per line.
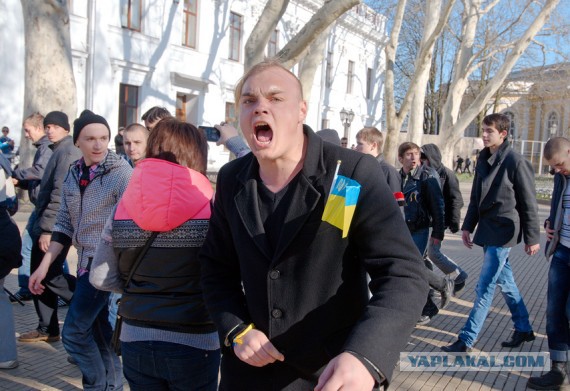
<point>346,117</point>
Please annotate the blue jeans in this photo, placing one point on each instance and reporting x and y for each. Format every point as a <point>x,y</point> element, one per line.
<point>558,305</point>
<point>24,270</point>
<point>421,237</point>
<point>496,270</point>
<point>87,335</point>
<point>156,365</point>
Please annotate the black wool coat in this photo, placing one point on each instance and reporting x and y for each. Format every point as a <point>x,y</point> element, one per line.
<point>503,203</point>
<point>309,296</point>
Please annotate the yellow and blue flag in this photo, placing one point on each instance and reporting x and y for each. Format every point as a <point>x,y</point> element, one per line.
<point>341,203</point>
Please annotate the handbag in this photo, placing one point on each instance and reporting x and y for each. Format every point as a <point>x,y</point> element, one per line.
<point>115,340</point>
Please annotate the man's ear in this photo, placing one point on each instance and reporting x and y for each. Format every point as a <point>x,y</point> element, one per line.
<point>504,134</point>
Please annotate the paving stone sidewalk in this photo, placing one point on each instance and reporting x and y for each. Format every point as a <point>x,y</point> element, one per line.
<point>44,366</point>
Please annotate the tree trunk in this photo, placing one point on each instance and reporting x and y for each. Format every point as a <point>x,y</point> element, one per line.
<point>312,61</point>
<point>257,41</point>
<point>49,80</point>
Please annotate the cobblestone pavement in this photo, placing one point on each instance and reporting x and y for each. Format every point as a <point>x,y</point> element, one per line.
<point>44,366</point>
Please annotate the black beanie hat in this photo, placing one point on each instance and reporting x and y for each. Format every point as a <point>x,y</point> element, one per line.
<point>57,118</point>
<point>87,117</point>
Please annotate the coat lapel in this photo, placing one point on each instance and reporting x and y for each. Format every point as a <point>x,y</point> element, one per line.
<point>305,199</point>
<point>247,204</point>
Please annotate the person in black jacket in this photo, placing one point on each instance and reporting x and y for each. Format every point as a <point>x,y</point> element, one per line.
<point>424,209</point>
<point>453,202</point>
<point>29,178</point>
<point>503,207</point>
<point>287,290</point>
<point>10,258</point>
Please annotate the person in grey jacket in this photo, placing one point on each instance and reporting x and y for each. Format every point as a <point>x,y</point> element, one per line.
<point>557,226</point>
<point>29,178</point>
<point>48,203</point>
<point>503,207</point>
<point>91,190</point>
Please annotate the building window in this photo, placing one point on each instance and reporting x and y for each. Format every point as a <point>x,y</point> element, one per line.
<point>131,14</point>
<point>231,116</point>
<point>349,77</point>
<point>273,44</point>
<point>235,36</point>
<point>128,104</point>
<point>190,21</point>
<point>552,125</point>
<point>369,83</point>
<point>181,104</point>
<point>329,69</point>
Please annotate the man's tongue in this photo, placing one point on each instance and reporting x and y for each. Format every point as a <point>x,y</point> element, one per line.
<point>264,135</point>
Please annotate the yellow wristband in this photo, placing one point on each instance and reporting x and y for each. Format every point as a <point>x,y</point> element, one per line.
<point>238,338</point>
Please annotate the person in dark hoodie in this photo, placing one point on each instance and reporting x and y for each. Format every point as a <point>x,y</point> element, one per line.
<point>167,337</point>
<point>92,188</point>
<point>453,202</point>
<point>48,204</point>
<point>29,178</point>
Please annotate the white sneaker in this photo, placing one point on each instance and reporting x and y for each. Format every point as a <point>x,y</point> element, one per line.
<point>9,364</point>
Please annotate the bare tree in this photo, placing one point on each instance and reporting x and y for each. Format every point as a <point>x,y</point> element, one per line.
<point>297,48</point>
<point>49,80</point>
<point>454,120</point>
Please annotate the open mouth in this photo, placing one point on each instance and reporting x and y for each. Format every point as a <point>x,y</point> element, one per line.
<point>263,132</point>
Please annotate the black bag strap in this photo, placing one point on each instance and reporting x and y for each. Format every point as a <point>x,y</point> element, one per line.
<point>142,253</point>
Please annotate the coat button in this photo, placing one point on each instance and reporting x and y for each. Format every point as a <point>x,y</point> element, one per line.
<point>276,313</point>
<point>274,274</point>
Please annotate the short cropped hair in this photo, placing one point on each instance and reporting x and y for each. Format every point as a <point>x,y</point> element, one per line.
<point>155,113</point>
<point>499,121</point>
<point>178,142</point>
<point>554,146</point>
<point>258,68</point>
<point>405,147</point>
<point>134,126</point>
<point>371,135</point>
<point>35,119</point>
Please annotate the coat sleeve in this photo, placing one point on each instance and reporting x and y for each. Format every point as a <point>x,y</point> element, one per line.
<point>434,202</point>
<point>527,207</point>
<point>104,274</point>
<point>220,272</point>
<point>397,274</point>
<point>36,171</point>
<point>472,216</point>
<point>453,201</point>
<point>49,215</point>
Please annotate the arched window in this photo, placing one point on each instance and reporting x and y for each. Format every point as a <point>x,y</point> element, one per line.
<point>513,129</point>
<point>552,125</point>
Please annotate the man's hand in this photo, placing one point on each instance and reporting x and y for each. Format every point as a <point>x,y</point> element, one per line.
<point>466,237</point>
<point>44,241</point>
<point>257,350</point>
<point>15,181</point>
<point>345,372</point>
<point>531,249</point>
<point>549,231</point>
<point>35,283</point>
<point>435,241</point>
<point>227,131</point>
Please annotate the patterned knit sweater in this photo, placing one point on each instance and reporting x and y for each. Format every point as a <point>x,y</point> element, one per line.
<point>82,218</point>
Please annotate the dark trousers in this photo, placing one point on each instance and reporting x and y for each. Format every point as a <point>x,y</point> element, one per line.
<point>56,283</point>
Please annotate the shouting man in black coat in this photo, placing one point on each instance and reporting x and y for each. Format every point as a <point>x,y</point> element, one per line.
<point>286,289</point>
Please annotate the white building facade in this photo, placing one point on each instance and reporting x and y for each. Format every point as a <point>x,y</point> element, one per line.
<point>187,56</point>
